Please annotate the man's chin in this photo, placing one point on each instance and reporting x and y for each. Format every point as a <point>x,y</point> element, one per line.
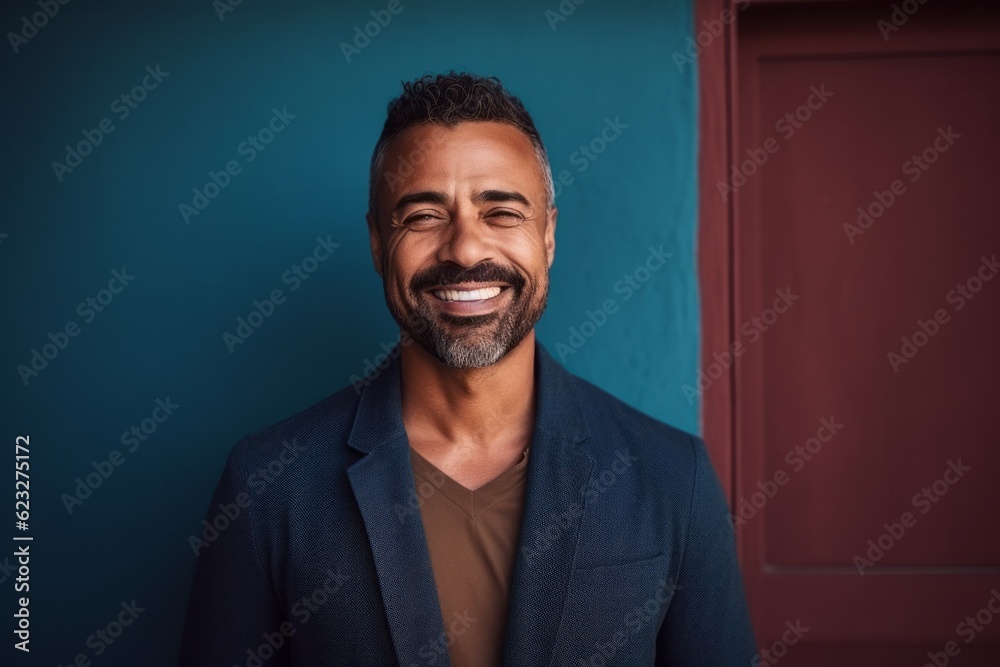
<point>472,342</point>
<point>463,356</point>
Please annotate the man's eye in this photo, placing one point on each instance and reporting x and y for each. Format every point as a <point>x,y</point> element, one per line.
<point>506,218</point>
<point>422,220</point>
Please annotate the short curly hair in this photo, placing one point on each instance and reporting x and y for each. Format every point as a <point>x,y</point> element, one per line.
<point>449,99</point>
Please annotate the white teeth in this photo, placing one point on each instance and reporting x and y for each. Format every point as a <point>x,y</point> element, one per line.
<point>467,295</point>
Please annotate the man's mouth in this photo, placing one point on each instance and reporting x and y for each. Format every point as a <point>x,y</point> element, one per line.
<point>465,299</point>
<point>480,294</point>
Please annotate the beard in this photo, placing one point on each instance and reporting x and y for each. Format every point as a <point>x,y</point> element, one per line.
<point>472,341</point>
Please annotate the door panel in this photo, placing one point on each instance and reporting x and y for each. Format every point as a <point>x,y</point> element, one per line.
<point>866,295</point>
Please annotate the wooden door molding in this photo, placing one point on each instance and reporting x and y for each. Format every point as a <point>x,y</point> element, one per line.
<point>896,611</point>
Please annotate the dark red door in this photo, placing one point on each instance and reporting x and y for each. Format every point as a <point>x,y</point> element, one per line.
<point>857,229</point>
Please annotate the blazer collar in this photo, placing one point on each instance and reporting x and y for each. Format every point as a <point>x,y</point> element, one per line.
<point>558,473</point>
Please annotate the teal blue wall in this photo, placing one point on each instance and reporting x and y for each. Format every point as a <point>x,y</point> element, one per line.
<point>161,336</point>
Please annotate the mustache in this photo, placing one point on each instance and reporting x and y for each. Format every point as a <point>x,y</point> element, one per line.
<point>447,274</point>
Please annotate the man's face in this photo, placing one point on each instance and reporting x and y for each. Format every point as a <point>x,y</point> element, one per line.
<point>463,239</point>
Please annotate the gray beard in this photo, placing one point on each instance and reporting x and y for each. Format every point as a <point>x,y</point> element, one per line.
<point>500,333</point>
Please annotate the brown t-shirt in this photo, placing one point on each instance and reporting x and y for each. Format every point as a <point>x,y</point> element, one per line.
<point>472,538</point>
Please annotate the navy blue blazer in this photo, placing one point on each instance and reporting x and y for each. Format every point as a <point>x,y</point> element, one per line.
<point>313,550</point>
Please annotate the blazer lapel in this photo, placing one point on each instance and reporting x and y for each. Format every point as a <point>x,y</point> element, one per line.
<point>558,473</point>
<point>383,486</point>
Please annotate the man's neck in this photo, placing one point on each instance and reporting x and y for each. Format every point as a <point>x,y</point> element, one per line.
<point>457,416</point>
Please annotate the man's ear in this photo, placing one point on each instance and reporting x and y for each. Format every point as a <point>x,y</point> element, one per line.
<point>550,235</point>
<point>375,241</point>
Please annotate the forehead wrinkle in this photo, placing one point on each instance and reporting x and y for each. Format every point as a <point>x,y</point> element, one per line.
<point>460,158</point>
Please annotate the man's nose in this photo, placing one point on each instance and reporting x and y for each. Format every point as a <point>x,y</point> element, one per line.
<point>466,241</point>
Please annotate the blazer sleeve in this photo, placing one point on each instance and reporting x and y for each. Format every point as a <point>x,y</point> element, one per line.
<point>233,612</point>
<point>707,623</point>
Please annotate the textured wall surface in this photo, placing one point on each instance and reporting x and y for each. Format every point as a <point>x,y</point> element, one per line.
<point>104,221</point>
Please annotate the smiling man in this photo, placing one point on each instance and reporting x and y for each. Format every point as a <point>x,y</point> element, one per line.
<point>474,504</point>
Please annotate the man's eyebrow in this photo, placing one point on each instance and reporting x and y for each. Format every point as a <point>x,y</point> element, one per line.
<point>500,196</point>
<point>439,198</point>
<point>425,197</point>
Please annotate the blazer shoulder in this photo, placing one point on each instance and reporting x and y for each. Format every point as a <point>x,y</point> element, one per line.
<point>610,419</point>
<point>309,432</point>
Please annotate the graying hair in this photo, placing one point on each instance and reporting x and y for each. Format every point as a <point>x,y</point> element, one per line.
<point>449,99</point>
